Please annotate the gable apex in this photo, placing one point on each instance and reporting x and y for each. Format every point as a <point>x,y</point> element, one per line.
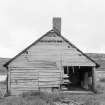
<point>57,33</point>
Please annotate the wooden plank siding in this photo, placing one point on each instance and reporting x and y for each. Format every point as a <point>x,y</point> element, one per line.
<point>32,79</point>
<point>41,65</point>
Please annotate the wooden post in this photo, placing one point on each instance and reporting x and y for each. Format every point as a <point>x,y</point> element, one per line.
<point>8,81</point>
<point>61,68</point>
<point>93,79</point>
<point>86,80</point>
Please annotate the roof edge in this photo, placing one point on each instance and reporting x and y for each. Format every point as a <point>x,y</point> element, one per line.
<point>52,30</point>
<point>5,65</point>
<point>97,65</point>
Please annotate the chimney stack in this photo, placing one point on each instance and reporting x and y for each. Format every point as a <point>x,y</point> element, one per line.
<point>57,24</point>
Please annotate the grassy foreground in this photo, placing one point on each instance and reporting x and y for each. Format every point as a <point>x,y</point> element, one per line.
<point>39,98</point>
<point>32,98</point>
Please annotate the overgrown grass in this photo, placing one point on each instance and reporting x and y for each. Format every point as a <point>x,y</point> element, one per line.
<point>99,88</point>
<point>48,97</point>
<point>42,98</point>
<point>91,102</point>
<point>32,98</point>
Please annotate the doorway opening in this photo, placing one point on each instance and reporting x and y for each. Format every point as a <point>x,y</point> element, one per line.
<point>77,78</point>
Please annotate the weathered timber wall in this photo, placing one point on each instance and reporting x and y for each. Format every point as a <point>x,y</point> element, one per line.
<point>26,79</point>
<point>41,65</point>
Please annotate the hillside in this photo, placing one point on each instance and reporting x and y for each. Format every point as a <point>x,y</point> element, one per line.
<point>99,58</point>
<point>3,61</point>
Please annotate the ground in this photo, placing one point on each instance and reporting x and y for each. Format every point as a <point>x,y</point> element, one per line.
<point>44,99</point>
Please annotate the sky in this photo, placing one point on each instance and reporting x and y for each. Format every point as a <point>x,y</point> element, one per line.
<point>24,21</point>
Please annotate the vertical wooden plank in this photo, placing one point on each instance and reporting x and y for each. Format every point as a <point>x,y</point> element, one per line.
<point>60,67</point>
<point>86,80</point>
<point>8,81</point>
<point>93,79</point>
<point>38,81</point>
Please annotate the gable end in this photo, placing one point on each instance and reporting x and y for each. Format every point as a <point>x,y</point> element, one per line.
<point>55,31</point>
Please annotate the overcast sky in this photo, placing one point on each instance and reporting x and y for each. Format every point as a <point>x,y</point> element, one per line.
<point>23,21</point>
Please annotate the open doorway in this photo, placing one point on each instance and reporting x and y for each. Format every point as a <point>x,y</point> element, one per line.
<point>77,78</point>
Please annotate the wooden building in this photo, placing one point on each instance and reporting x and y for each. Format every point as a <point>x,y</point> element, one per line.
<point>51,63</point>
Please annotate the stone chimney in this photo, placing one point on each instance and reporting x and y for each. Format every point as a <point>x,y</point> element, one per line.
<point>57,24</point>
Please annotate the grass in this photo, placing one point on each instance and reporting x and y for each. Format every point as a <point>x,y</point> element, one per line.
<point>41,98</point>
<point>31,98</point>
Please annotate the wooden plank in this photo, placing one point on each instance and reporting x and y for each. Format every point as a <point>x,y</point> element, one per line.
<point>35,77</point>
<point>93,79</point>
<point>20,85</point>
<point>48,85</point>
<point>24,77</point>
<point>23,80</point>
<point>32,67</point>
<point>48,73</point>
<point>49,79</point>
<point>8,80</point>
<point>23,74</point>
<point>50,76</point>
<point>35,71</point>
<point>64,63</point>
<point>57,45</point>
<point>24,88</point>
<point>44,57</point>
<point>54,52</point>
<point>48,82</point>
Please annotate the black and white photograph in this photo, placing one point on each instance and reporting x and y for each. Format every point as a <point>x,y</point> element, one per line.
<point>52,52</point>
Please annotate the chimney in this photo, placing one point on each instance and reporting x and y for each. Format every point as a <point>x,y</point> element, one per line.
<point>57,24</point>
